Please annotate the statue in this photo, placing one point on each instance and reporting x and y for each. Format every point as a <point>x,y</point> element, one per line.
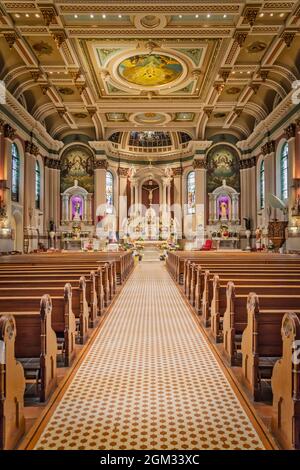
<point>150,191</point>
<point>77,211</point>
<point>223,210</point>
<point>168,172</point>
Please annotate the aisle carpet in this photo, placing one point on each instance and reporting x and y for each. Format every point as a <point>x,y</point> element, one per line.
<point>150,381</point>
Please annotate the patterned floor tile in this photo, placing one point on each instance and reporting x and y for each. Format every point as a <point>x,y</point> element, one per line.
<point>149,381</point>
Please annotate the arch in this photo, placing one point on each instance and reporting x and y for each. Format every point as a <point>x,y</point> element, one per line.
<point>191,192</point>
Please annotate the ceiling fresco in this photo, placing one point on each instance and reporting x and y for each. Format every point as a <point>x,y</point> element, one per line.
<point>92,67</point>
<point>150,70</point>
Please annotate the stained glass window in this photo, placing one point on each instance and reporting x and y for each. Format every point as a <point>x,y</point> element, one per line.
<point>284,161</point>
<point>15,173</point>
<point>109,192</point>
<point>262,184</point>
<point>37,185</point>
<point>191,193</point>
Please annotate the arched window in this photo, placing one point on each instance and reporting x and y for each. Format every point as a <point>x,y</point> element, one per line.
<point>284,161</point>
<point>37,185</point>
<point>15,173</point>
<point>191,209</point>
<point>109,192</point>
<point>262,184</point>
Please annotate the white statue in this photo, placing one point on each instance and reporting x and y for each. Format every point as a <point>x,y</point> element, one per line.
<point>168,172</point>
<point>131,172</point>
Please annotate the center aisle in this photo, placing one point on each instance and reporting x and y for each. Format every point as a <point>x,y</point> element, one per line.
<point>150,381</point>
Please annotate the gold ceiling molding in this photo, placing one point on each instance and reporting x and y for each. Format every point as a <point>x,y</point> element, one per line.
<point>76,7</point>
<point>166,32</point>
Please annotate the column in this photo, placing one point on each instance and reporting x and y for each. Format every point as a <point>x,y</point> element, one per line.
<point>123,173</point>
<point>100,187</point>
<point>178,200</point>
<point>200,195</point>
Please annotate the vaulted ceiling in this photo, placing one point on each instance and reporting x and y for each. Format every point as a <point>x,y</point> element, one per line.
<point>97,67</point>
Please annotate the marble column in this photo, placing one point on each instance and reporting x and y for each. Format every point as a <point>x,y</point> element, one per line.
<point>178,200</point>
<point>123,172</point>
<point>200,192</point>
<point>100,187</point>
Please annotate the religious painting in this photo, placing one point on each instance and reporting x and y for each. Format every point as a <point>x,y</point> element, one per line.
<point>77,164</point>
<point>150,69</point>
<point>223,164</point>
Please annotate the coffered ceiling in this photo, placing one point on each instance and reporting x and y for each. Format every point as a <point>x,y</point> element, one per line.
<point>97,67</point>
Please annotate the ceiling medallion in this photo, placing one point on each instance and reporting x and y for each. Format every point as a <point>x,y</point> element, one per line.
<point>150,21</point>
<point>233,91</point>
<point>150,70</point>
<point>66,91</point>
<point>257,46</point>
<point>150,118</point>
<point>42,48</point>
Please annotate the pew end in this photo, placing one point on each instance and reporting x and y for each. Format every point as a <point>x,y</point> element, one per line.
<point>286,385</point>
<point>12,386</point>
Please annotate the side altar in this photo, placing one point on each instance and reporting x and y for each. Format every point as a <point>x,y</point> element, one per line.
<point>224,222</point>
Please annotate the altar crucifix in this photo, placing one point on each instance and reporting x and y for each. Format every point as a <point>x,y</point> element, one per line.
<point>150,191</point>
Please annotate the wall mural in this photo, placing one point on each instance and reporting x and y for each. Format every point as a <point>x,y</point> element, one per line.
<point>150,69</point>
<point>77,164</point>
<point>223,164</point>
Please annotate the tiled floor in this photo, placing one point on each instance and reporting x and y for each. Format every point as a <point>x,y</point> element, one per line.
<point>149,381</point>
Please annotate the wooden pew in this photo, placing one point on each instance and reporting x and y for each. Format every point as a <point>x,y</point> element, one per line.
<point>63,320</point>
<point>261,344</point>
<point>213,316</point>
<point>12,386</point>
<point>34,282</point>
<point>79,302</point>
<point>286,386</point>
<point>193,289</point>
<point>235,316</point>
<point>36,349</point>
<point>94,287</point>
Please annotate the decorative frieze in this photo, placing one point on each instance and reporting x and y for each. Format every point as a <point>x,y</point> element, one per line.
<point>10,39</point>
<point>240,37</point>
<point>59,38</point>
<point>177,171</point>
<point>264,74</point>
<point>199,164</point>
<point>268,147</point>
<point>31,148</point>
<point>290,131</point>
<point>288,37</point>
<point>250,14</point>
<point>247,163</point>
<point>123,172</point>
<point>9,132</point>
<point>49,14</point>
<point>100,164</point>
<point>52,163</point>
